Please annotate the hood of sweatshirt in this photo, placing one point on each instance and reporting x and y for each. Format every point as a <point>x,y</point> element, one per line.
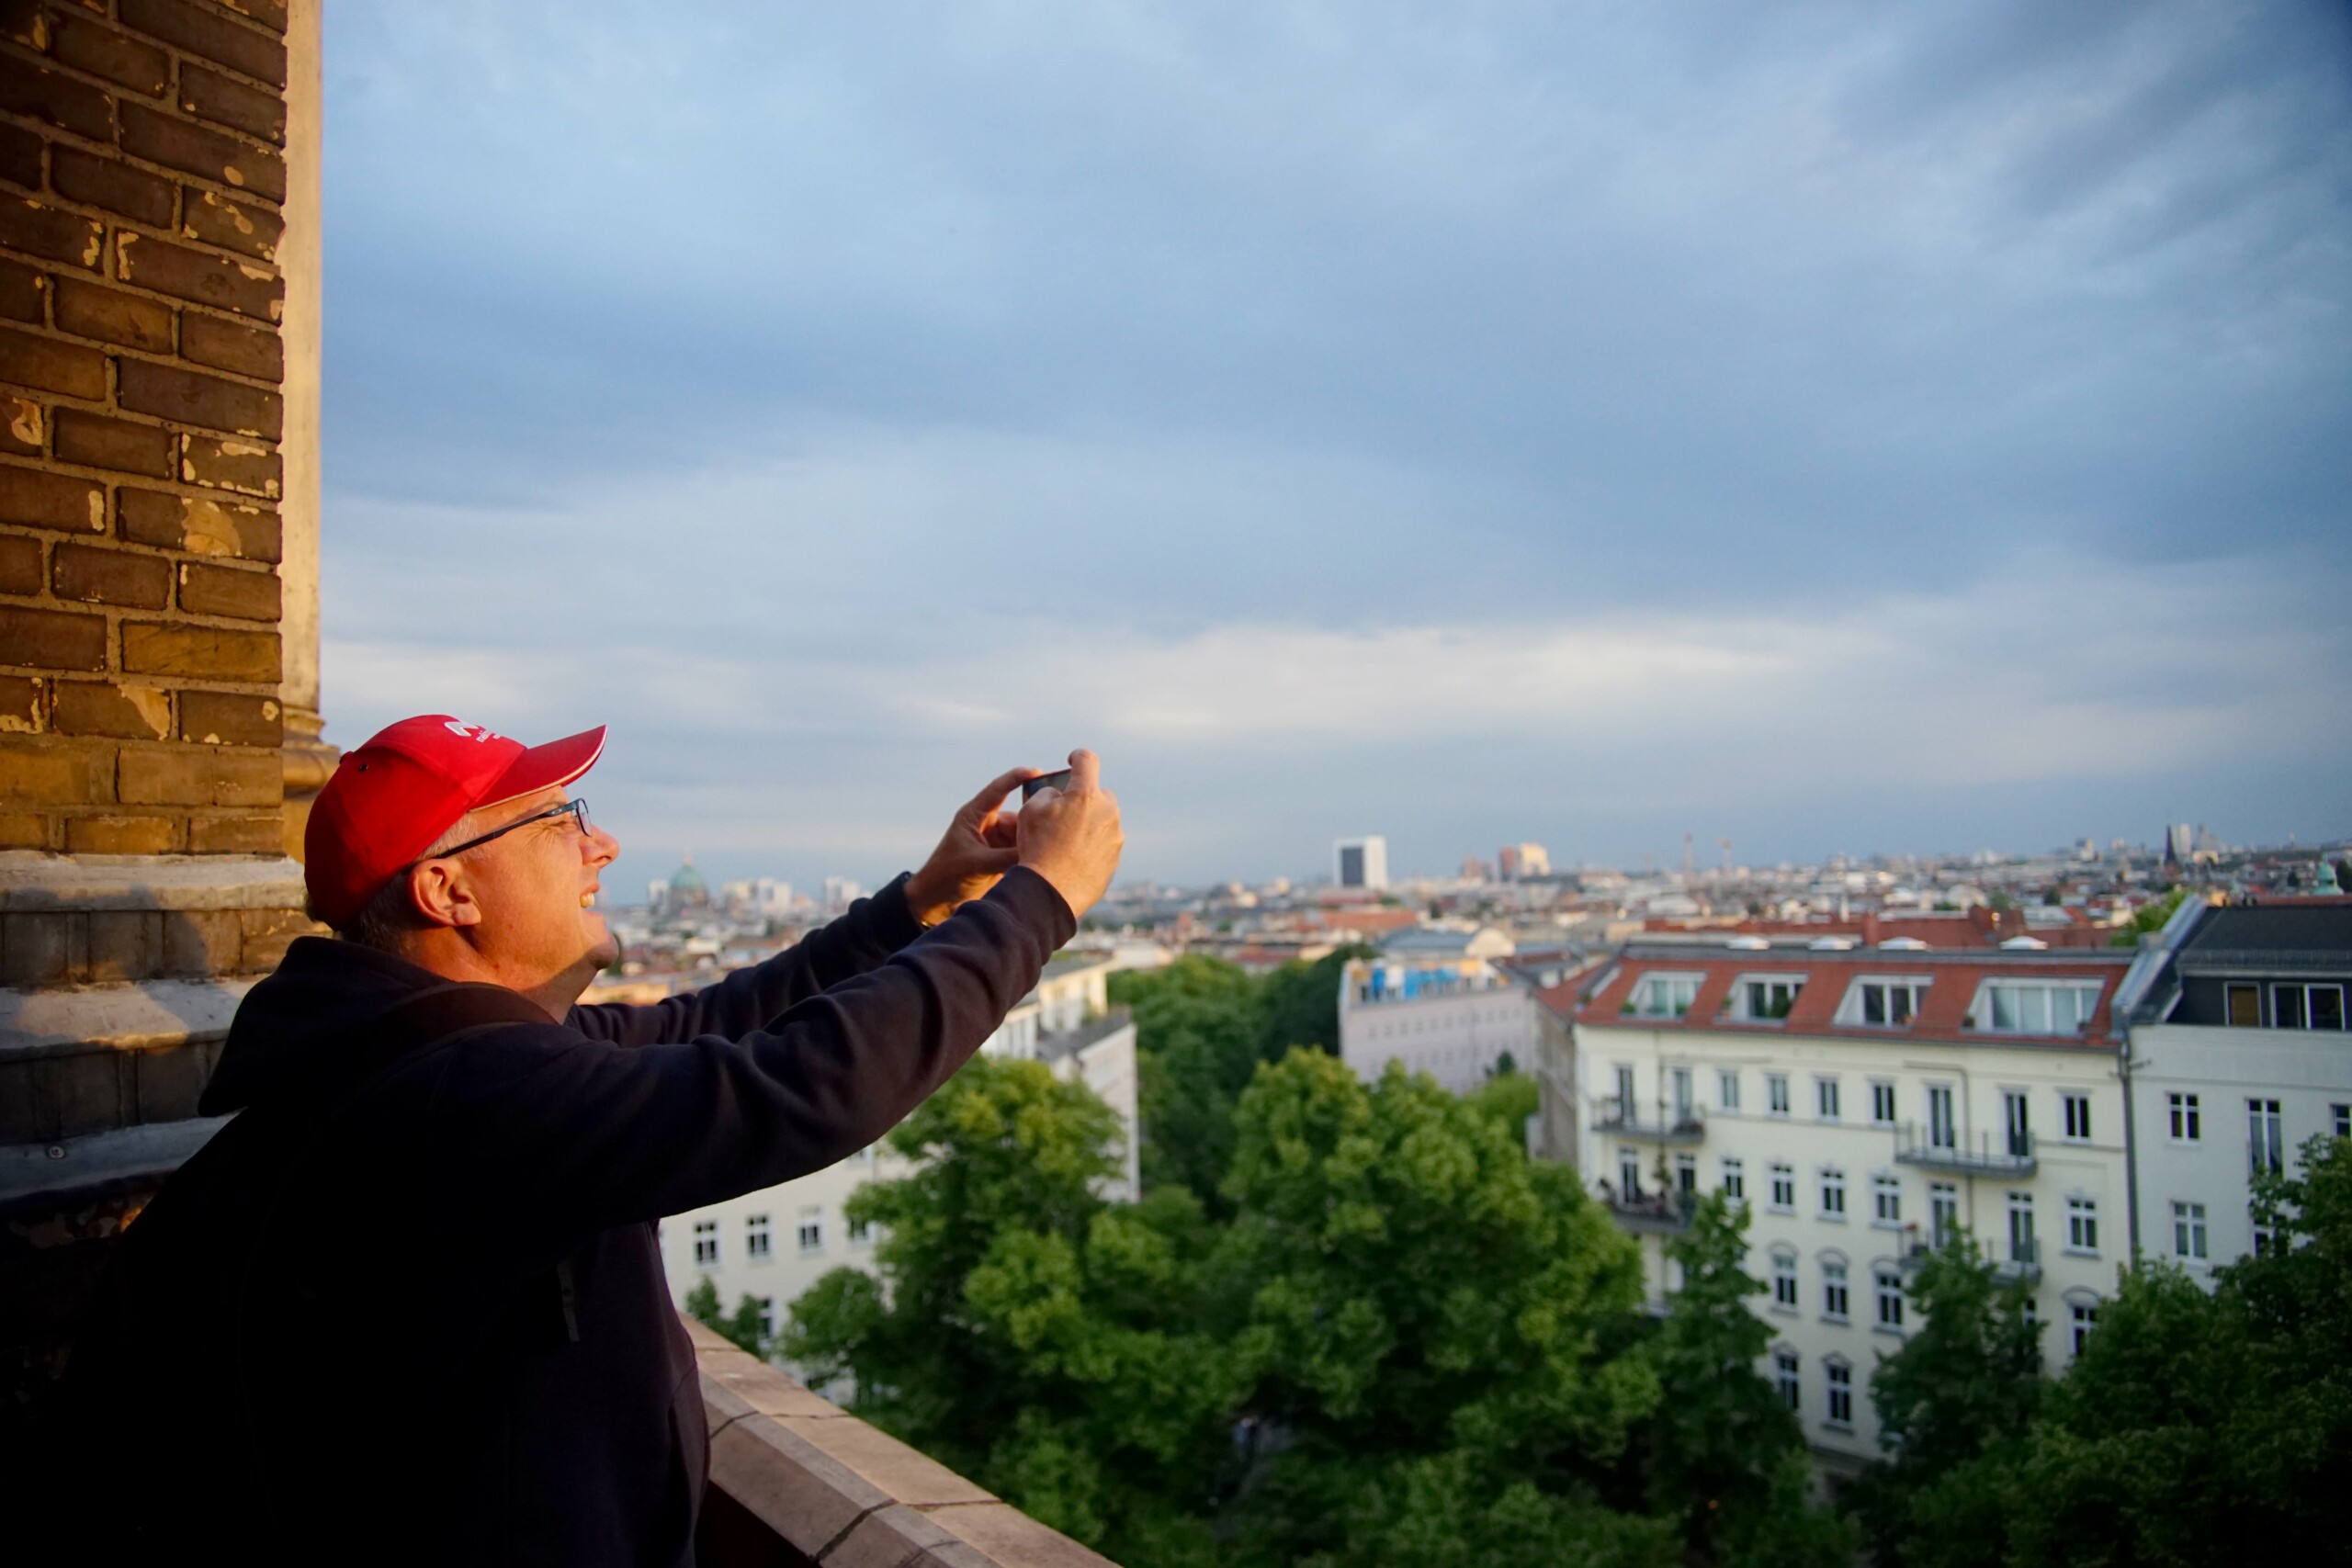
<point>320,1001</point>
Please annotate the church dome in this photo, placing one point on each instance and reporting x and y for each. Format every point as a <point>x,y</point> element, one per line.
<point>687,885</point>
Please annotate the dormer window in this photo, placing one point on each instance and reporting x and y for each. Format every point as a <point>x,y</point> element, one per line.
<point>1664,996</point>
<point>1765,999</point>
<point>2009,1007</point>
<point>1883,1003</point>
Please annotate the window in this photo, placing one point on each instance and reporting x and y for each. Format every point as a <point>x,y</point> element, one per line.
<point>1943,1131</point>
<point>812,1230</point>
<point>1825,1098</point>
<point>2340,1120</point>
<point>767,1316</point>
<point>1943,1210</point>
<point>2299,1006</point>
<point>1625,1093</point>
<point>1889,1286</point>
<point>2245,1004</point>
<point>2266,1239</point>
<point>1890,1002</point>
<point>755,1237</point>
<point>1770,999</point>
<point>1887,1200</point>
<point>2021,1249</point>
<point>1776,1093</point>
<point>2077,1112</point>
<point>1683,1108</point>
<point>1727,1090</point>
<point>2012,1008</point>
<point>1833,1193</point>
<point>1833,1292</point>
<point>2082,1224</point>
<point>2015,1123</point>
<point>1784,1279</point>
<point>2086,1318</point>
<point>1784,1376</point>
<point>706,1244</point>
<point>1784,1188</point>
<point>1629,1174</point>
<point>1686,1173</point>
<point>861,1232</point>
<point>1665,996</point>
<point>1841,1393</point>
<point>2188,1232</point>
<point>1734,1178</point>
<point>1882,1104</point>
<point>2188,1123</point>
<point>2266,1139</point>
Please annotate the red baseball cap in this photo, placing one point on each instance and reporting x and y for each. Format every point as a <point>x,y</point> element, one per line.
<point>409,785</point>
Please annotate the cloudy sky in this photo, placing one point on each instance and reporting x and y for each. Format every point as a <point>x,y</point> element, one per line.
<point>1835,427</point>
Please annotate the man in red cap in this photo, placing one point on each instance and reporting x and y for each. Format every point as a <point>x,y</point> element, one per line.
<point>408,1306</point>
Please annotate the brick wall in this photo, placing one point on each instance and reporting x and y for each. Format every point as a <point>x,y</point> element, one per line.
<point>142,176</point>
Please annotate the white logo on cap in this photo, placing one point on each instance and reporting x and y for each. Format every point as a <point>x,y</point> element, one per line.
<point>477,732</point>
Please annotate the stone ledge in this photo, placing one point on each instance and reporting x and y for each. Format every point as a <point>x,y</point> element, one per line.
<point>101,1160</point>
<point>841,1494</point>
<point>153,1015</point>
<point>32,881</point>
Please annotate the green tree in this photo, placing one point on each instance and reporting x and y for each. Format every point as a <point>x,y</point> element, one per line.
<point>2148,918</point>
<point>746,1325</point>
<point>1025,1331</point>
<point>1302,1003</point>
<point>1722,1452</point>
<point>1199,1027</point>
<point>1509,1099</point>
<point>1425,1317</point>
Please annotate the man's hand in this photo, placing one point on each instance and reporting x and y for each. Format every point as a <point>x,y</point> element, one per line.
<point>978,847</point>
<point>1071,837</point>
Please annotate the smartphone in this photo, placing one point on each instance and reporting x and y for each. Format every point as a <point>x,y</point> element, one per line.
<point>1045,780</point>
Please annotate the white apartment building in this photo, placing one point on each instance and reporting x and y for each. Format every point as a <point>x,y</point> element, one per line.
<point>1860,1101</point>
<point>1360,863</point>
<point>774,1244</point>
<point>2239,1056</point>
<point>1453,1020</point>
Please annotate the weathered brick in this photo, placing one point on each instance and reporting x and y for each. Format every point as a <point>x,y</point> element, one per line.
<point>92,574</point>
<point>115,834</point>
<point>210,34</point>
<point>201,941</point>
<point>245,467</point>
<point>202,653</point>
<point>23,292</point>
<point>234,225</point>
<point>102,51</point>
<point>24,706</point>
<point>55,98</point>
<point>90,309</point>
<point>268,933</point>
<point>31,360</point>
<point>117,444</point>
<point>23,426</point>
<point>51,639</point>
<point>39,947</point>
<point>270,14</point>
<point>167,1084</point>
<point>115,185</point>
<point>198,525</point>
<point>230,718</point>
<point>185,396</point>
<point>20,156</point>
<point>254,833</point>
<point>56,774</point>
<point>242,595</point>
<point>120,708</point>
<point>191,274</point>
<point>198,775</point>
<point>50,500</point>
<point>125,944</point>
<point>19,564</point>
<point>214,96</point>
<point>177,144</point>
<point>52,232</point>
<point>23,831</point>
<point>231,346</point>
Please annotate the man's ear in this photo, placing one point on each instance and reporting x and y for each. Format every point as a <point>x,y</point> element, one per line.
<point>440,894</point>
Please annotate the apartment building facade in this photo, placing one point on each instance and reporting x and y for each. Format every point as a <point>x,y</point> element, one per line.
<point>1862,1102</point>
<point>2239,1057</point>
<point>1458,1020</point>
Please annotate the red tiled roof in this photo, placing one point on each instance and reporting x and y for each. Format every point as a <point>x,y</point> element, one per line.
<point>1978,927</point>
<point>1828,974</point>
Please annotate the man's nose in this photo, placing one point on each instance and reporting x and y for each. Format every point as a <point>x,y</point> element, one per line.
<point>602,848</point>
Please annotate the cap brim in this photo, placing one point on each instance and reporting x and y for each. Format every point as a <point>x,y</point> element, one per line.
<point>545,767</point>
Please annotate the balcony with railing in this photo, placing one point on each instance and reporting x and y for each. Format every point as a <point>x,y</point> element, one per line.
<point>1649,1214</point>
<point>2023,1265</point>
<point>1665,1124</point>
<point>2007,1153</point>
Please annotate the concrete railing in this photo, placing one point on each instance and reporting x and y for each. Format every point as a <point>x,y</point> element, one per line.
<point>795,1480</point>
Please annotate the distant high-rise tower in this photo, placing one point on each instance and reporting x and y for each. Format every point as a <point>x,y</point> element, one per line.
<point>1360,863</point>
<point>1519,861</point>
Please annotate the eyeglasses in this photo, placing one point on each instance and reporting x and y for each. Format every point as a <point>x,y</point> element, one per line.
<point>576,810</point>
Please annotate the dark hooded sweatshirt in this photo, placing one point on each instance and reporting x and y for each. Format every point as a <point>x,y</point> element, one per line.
<point>409,1305</point>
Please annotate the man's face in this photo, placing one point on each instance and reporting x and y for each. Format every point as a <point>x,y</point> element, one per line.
<point>535,887</point>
